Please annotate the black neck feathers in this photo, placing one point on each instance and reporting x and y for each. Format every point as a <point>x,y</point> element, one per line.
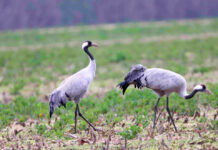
<point>88,53</point>
<point>192,94</point>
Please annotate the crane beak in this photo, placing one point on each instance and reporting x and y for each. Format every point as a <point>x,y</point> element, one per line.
<point>95,45</point>
<point>208,92</point>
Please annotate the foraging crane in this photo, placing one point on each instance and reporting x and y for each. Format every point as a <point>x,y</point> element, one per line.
<point>75,86</point>
<point>162,82</point>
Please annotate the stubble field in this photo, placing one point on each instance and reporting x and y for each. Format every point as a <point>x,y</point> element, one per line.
<point>34,62</point>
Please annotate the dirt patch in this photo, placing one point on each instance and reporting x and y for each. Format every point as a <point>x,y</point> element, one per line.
<point>6,97</point>
<point>192,134</point>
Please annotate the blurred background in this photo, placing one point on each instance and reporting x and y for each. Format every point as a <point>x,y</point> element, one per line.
<point>22,14</point>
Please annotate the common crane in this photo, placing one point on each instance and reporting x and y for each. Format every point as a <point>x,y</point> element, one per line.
<point>162,82</point>
<point>75,86</point>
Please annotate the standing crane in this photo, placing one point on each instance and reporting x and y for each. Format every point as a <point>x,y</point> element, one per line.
<point>75,86</point>
<point>162,82</point>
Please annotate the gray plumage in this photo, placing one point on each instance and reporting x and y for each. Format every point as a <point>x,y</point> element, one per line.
<point>135,73</point>
<point>161,81</point>
<point>75,86</point>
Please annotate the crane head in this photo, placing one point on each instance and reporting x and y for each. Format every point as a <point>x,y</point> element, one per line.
<point>87,44</point>
<point>202,88</point>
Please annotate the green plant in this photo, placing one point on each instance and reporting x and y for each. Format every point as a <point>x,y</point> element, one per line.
<point>213,124</point>
<point>204,69</point>
<point>203,119</point>
<point>41,129</point>
<point>17,87</point>
<point>119,56</point>
<point>130,133</point>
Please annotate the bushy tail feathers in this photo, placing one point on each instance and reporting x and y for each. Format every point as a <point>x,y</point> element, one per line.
<point>123,85</point>
<point>51,105</point>
<point>51,111</point>
<point>56,100</point>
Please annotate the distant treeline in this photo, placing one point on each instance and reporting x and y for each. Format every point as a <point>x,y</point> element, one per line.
<point>18,14</point>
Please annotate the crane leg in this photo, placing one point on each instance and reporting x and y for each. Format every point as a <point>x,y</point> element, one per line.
<point>155,112</point>
<point>168,110</point>
<point>81,115</point>
<point>76,116</point>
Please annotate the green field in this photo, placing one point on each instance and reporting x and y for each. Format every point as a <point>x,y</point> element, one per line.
<point>34,62</point>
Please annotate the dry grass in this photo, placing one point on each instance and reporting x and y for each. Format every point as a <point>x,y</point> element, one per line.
<point>192,134</point>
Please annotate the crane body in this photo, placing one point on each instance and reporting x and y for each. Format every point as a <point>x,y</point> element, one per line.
<point>75,86</point>
<point>163,82</point>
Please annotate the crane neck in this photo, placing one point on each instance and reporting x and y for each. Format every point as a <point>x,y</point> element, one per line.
<point>92,64</point>
<point>89,54</point>
<point>188,96</point>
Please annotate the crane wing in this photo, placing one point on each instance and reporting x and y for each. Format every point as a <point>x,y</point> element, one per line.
<point>135,73</point>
